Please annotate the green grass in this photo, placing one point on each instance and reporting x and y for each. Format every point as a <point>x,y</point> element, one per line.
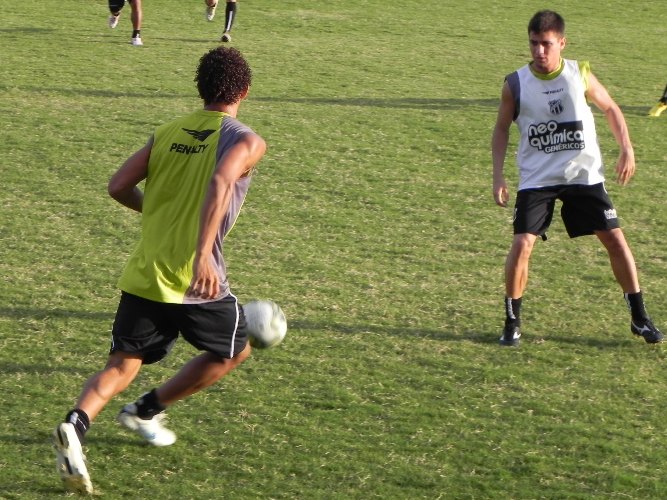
<point>371,222</point>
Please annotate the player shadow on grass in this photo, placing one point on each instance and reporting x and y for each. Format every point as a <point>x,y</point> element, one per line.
<point>41,314</point>
<point>395,103</point>
<point>107,93</point>
<point>373,330</point>
<point>113,39</point>
<point>447,104</point>
<point>21,490</point>
<point>27,29</point>
<point>486,337</point>
<point>41,440</point>
<point>379,102</point>
<point>469,336</point>
<point>636,110</point>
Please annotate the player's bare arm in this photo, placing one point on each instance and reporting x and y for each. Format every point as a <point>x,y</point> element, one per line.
<point>236,163</point>
<point>598,95</point>
<point>499,141</point>
<point>123,184</point>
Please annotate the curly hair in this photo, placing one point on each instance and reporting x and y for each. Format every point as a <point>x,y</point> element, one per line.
<point>223,75</point>
<point>546,20</point>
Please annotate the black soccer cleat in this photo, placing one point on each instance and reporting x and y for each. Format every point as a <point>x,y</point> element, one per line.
<point>511,335</point>
<point>645,328</point>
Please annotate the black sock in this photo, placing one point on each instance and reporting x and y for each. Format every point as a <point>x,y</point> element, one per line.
<point>80,420</point>
<point>136,33</point>
<point>513,311</point>
<point>635,303</point>
<point>230,14</point>
<point>148,406</point>
<point>663,99</point>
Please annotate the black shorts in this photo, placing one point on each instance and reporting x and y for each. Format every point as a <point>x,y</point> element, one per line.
<point>585,209</point>
<point>150,328</point>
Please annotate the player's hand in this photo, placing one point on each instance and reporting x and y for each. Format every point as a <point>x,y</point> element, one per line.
<point>625,167</point>
<point>500,193</point>
<point>205,282</point>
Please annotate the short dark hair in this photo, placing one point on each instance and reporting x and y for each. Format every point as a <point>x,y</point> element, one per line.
<point>547,20</point>
<point>223,75</point>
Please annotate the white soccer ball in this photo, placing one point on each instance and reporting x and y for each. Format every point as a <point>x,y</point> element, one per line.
<point>266,323</point>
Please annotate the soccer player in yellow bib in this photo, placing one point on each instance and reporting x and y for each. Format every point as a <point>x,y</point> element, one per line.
<point>559,159</point>
<point>660,106</point>
<point>197,171</point>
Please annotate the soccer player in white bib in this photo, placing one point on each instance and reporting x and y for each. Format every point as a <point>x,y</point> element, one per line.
<point>559,159</point>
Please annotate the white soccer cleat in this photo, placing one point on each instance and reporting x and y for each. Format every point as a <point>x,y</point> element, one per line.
<point>136,41</point>
<point>210,10</point>
<point>151,430</point>
<point>70,460</point>
<point>113,21</point>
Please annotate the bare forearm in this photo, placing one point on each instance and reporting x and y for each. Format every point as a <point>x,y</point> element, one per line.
<point>123,185</point>
<point>133,198</point>
<point>619,128</point>
<point>236,163</point>
<point>499,143</point>
<point>213,210</point>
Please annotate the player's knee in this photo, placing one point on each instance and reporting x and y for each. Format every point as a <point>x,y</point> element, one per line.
<point>124,365</point>
<point>613,240</point>
<point>522,246</point>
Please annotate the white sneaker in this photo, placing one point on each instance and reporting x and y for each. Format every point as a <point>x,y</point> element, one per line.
<point>151,430</point>
<point>113,21</point>
<point>136,41</point>
<point>70,460</point>
<point>210,11</point>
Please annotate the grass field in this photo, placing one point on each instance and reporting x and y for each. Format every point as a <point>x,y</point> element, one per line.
<point>371,222</point>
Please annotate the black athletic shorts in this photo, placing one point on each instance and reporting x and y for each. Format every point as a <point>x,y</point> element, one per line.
<point>150,328</point>
<point>584,210</point>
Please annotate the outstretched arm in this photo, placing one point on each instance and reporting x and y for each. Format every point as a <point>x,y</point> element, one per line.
<point>598,95</point>
<point>499,141</point>
<point>122,186</point>
<point>235,163</point>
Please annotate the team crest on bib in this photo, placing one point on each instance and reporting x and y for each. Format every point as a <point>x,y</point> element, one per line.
<point>556,107</point>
